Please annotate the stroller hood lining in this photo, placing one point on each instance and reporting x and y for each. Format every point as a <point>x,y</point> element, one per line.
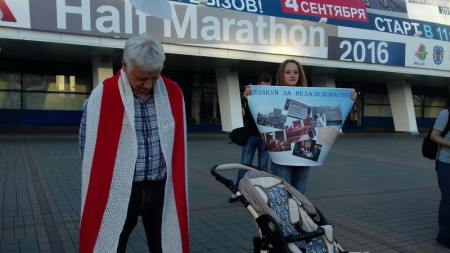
<point>262,178</point>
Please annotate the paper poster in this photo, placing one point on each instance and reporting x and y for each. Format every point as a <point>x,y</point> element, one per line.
<point>299,124</point>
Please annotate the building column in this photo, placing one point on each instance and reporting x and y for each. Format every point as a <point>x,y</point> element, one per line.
<point>214,111</point>
<point>229,98</point>
<point>402,106</point>
<point>196,99</point>
<point>324,80</point>
<point>101,69</point>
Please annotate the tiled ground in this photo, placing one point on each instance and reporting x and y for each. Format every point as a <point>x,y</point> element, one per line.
<point>376,189</point>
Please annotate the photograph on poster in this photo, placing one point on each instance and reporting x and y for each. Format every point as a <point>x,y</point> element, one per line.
<point>308,149</point>
<point>276,142</point>
<point>320,120</point>
<point>301,127</point>
<point>296,109</point>
<point>300,130</point>
<point>327,115</point>
<point>273,119</point>
<point>327,135</point>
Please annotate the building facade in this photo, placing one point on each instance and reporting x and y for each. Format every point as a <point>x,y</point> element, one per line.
<point>394,53</point>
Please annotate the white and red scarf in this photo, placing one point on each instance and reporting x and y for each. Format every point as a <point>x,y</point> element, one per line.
<point>109,160</point>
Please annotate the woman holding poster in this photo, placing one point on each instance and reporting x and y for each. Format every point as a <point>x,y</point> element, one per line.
<point>291,73</point>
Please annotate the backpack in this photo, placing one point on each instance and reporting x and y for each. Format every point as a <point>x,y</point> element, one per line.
<point>240,135</point>
<point>429,147</point>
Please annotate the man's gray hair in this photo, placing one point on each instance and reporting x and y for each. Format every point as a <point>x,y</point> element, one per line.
<point>145,52</point>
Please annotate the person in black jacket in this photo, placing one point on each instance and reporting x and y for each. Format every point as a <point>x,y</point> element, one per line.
<point>254,142</point>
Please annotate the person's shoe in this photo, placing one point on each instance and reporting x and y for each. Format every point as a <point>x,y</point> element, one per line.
<point>444,241</point>
<point>233,198</point>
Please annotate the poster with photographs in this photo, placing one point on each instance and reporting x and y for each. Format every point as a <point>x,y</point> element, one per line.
<point>299,125</point>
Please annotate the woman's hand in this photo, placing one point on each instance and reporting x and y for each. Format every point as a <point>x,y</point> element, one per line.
<point>247,91</point>
<point>354,95</point>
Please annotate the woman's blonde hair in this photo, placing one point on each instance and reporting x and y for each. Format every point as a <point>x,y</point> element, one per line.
<point>302,81</point>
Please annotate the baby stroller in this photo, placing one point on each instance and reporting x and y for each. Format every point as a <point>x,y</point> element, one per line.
<point>287,221</point>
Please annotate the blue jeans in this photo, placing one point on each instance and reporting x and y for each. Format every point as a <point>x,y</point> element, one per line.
<point>297,176</point>
<point>443,175</point>
<point>248,152</point>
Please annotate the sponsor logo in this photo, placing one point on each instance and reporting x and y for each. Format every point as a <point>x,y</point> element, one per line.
<point>421,54</point>
<point>5,13</point>
<point>438,54</point>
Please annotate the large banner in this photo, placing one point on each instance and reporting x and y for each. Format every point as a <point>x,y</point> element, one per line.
<point>419,18</point>
<point>385,32</point>
<point>299,124</point>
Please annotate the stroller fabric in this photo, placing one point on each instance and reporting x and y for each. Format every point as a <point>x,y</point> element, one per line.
<point>278,202</point>
<point>291,210</point>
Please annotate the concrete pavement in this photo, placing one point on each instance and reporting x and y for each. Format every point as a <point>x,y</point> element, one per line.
<point>376,189</point>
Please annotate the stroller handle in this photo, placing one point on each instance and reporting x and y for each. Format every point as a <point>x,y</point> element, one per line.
<point>228,166</point>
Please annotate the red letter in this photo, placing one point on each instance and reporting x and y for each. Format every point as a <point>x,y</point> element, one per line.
<point>7,14</point>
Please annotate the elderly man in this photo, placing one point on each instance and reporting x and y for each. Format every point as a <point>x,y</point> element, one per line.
<point>133,145</point>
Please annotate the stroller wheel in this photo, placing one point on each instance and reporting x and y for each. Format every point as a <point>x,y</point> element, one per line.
<point>257,245</point>
<point>272,239</point>
<point>262,247</point>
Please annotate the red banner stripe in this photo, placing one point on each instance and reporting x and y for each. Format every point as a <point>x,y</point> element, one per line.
<point>108,136</point>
